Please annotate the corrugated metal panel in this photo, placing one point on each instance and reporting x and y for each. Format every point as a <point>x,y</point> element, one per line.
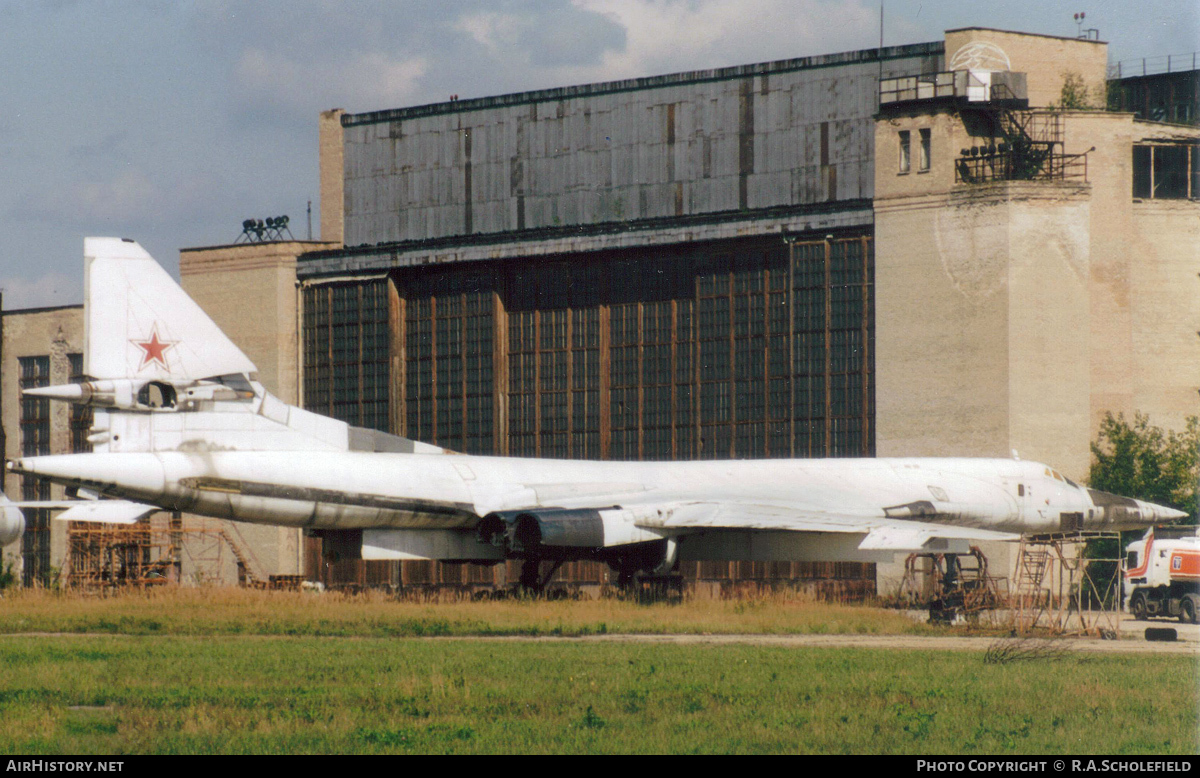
<point>531,164</point>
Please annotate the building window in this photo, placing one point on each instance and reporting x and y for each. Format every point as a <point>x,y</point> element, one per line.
<point>905,151</point>
<point>35,441</point>
<point>923,161</point>
<point>736,349</point>
<point>448,381</point>
<point>1167,171</point>
<point>35,411</point>
<point>346,352</point>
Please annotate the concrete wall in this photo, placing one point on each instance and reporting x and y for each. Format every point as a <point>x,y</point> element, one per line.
<point>1045,59</point>
<point>53,332</point>
<point>1143,287</point>
<point>1014,315</point>
<point>57,332</point>
<point>250,291</point>
<point>981,324</point>
<point>1165,301</point>
<point>332,166</point>
<point>777,135</point>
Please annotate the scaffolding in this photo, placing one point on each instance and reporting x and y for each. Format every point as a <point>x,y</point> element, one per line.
<point>1069,583</point>
<point>154,551</point>
<point>951,585</point>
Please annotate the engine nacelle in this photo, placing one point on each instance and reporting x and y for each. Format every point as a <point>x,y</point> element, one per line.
<point>529,531</point>
<point>134,394</point>
<point>124,393</point>
<point>12,522</point>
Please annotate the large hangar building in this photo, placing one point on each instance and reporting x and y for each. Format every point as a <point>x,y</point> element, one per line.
<point>671,267</point>
<point>828,256</point>
<point>917,250</point>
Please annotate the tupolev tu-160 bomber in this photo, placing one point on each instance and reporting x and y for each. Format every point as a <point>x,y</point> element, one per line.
<point>182,424</point>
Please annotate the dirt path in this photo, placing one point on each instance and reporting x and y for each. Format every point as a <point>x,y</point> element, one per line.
<point>1132,639</point>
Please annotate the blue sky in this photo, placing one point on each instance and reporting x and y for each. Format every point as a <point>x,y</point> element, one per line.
<point>171,122</point>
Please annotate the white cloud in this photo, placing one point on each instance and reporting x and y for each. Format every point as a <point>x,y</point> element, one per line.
<point>128,198</point>
<point>376,79</point>
<point>665,35</point>
<point>128,195</point>
<point>44,291</point>
<point>491,30</point>
<point>360,81</point>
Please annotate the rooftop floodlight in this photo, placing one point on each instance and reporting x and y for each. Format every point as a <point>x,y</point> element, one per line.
<point>263,231</point>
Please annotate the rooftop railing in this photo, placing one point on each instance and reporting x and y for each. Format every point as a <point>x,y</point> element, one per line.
<point>1149,66</point>
<point>965,85</point>
<point>927,86</point>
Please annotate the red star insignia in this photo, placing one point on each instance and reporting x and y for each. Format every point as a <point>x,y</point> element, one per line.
<point>154,348</point>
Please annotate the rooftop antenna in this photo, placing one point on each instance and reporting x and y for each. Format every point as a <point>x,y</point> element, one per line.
<point>310,219</point>
<point>881,47</point>
<point>1079,24</point>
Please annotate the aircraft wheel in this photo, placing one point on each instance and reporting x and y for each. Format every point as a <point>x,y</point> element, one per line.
<point>1137,606</point>
<point>530,574</point>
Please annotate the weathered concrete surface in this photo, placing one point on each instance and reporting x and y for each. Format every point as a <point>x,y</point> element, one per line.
<point>737,139</point>
<point>55,333</point>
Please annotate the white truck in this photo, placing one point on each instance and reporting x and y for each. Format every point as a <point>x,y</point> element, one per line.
<point>1162,575</point>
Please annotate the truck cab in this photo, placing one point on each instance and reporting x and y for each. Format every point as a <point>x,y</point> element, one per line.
<point>1162,575</point>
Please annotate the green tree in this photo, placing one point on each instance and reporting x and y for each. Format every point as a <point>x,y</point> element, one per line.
<point>1142,461</point>
<point>1074,95</point>
<point>1146,462</point>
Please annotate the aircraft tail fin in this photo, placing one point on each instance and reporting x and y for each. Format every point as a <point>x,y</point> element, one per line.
<point>141,324</point>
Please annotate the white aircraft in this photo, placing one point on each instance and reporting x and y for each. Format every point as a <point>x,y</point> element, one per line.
<point>182,424</point>
<point>12,521</point>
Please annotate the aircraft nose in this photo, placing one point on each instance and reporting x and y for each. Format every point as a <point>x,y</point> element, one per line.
<point>1116,512</point>
<point>1159,514</point>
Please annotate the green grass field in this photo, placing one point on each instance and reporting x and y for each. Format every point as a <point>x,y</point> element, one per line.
<point>184,680</point>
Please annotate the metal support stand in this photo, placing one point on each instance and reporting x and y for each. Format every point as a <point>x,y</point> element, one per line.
<point>1069,583</point>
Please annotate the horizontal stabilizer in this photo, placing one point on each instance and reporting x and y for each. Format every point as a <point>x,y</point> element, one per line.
<point>107,511</point>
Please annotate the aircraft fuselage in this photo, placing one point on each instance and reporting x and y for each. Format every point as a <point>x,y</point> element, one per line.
<point>360,490</point>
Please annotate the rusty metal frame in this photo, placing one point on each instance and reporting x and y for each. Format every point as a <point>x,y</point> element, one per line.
<point>1052,573</point>
<point>151,552</point>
